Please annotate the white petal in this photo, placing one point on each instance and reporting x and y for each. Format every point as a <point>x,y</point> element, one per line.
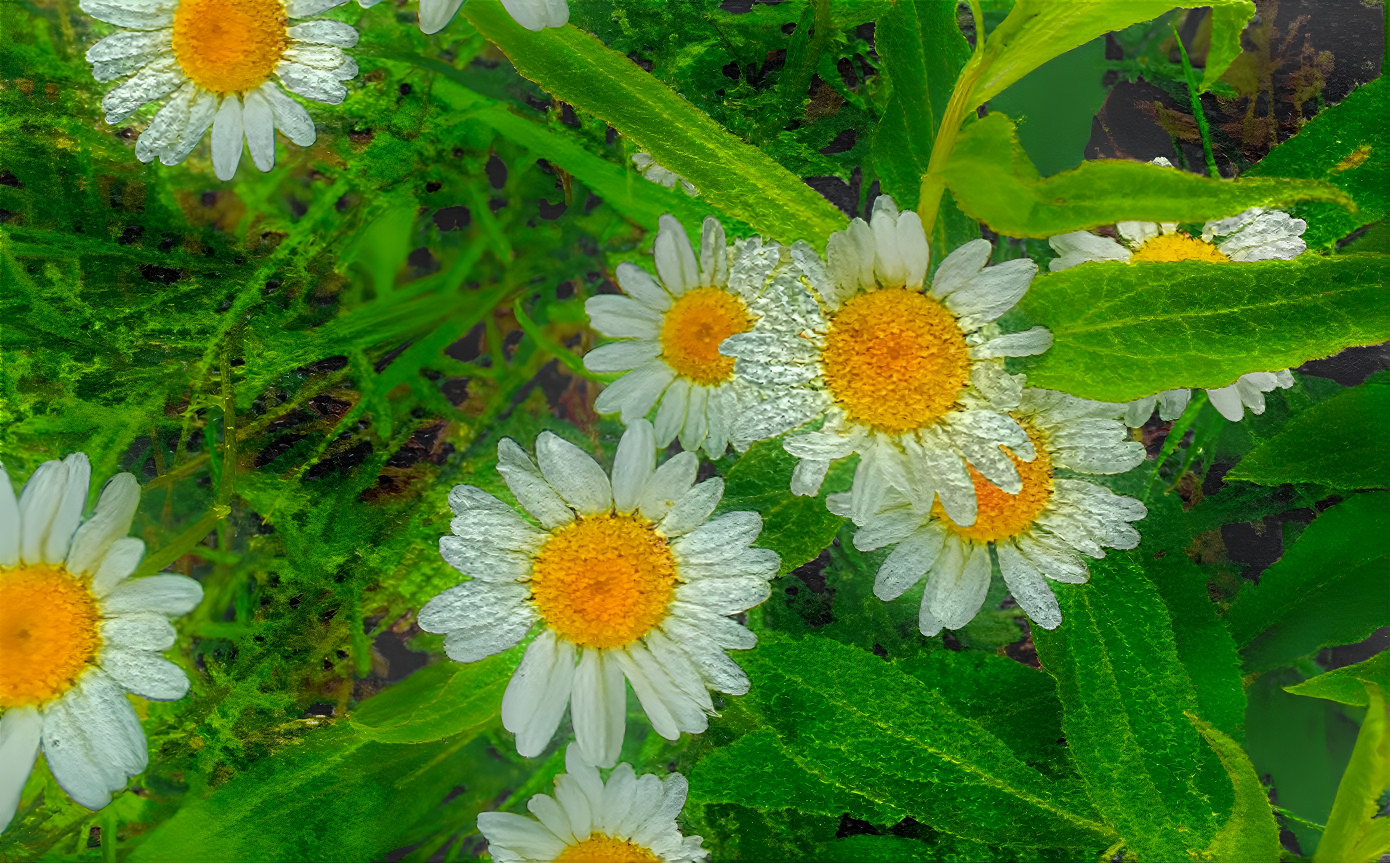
<point>635,392</point>
<point>135,14</point>
<point>530,488</point>
<point>202,109</point>
<point>473,604</point>
<point>259,121</point>
<point>693,433</point>
<point>1025,344</point>
<point>92,741</point>
<point>1080,247</point>
<point>718,539</point>
<point>538,693</point>
<point>1227,401</point>
<point>670,416</point>
<point>114,513</point>
<point>290,117</point>
<point>675,259</point>
<point>640,285</point>
<point>912,244</point>
<point>20,730</point>
<point>150,84</point>
<point>598,707</point>
<point>142,631</point>
<point>68,514</point>
<point>573,474</point>
<point>621,356</point>
<point>170,595</point>
<point>1138,411</point>
<point>888,260</point>
<point>475,643</point>
<point>324,32</point>
<point>668,484</point>
<point>693,508</point>
<point>648,694</point>
<point>9,521</point>
<point>144,673</point>
<point>808,476</point>
<point>1030,590</point>
<point>312,83</point>
<point>726,595</point>
<point>227,135</point>
<point>992,292</point>
<point>1172,403</point>
<point>119,564</point>
<point>959,267</point>
<point>309,8</point>
<point>714,257</point>
<point>959,582</point>
<point>622,317</point>
<point>551,816</point>
<point>907,563</point>
<point>512,837</point>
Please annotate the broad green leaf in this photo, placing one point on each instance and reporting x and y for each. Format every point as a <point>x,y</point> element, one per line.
<point>1328,588</point>
<point>1347,145</point>
<point>1250,834</point>
<point>738,179</point>
<point>995,182</point>
<point>1122,331</point>
<point>1354,834</point>
<point>1038,30</point>
<point>1125,696</point>
<point>756,771</point>
<point>1347,684</point>
<point>846,714</point>
<point>438,701</point>
<point>797,528</point>
<point>922,50</point>
<point>1337,443</point>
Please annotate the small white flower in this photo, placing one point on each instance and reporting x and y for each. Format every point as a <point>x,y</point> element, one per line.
<point>1254,235</point>
<point>628,819</point>
<point>214,61</point>
<point>909,377</point>
<point>671,329</point>
<point>627,579</point>
<point>76,634</point>
<point>536,15</point>
<point>1039,533</point>
<point>648,167</point>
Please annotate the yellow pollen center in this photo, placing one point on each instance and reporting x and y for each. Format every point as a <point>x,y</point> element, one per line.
<point>1003,515</point>
<point>230,46</point>
<point>49,633</point>
<point>599,848</point>
<point>694,326</point>
<point>1177,247</point>
<point>604,580</point>
<point>895,359</point>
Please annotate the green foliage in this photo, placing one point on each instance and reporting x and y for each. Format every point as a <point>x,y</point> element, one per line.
<point>1346,685</point>
<point>1213,322</point>
<point>1250,833</point>
<point>1354,834</point>
<point>1334,443</point>
<point>995,181</point>
<point>1328,588</point>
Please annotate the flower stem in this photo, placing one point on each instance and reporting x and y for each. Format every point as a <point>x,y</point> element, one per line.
<point>1196,99</point>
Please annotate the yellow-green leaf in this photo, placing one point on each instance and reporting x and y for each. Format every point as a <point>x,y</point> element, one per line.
<point>1353,834</point>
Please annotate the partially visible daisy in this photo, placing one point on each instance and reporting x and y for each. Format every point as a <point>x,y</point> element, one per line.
<point>211,63</point>
<point>910,377</point>
<point>76,634</point>
<point>629,579</point>
<point>648,167</point>
<point>535,15</point>
<point>671,329</point>
<point>628,819</point>
<point>1254,235</point>
<point>1039,533</point>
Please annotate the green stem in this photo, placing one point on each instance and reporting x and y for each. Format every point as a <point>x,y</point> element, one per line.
<point>933,187</point>
<point>1196,99</point>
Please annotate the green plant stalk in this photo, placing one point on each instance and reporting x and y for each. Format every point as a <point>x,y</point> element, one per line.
<point>933,186</point>
<point>1195,98</point>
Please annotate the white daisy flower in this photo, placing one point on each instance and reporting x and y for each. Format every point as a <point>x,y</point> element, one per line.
<point>1038,533</point>
<point>648,168</point>
<point>671,329</point>
<point>628,819</point>
<point>1254,235</point>
<point>211,63</point>
<point>911,378</point>
<point>535,15</point>
<point>77,635</point>
<point>626,579</point>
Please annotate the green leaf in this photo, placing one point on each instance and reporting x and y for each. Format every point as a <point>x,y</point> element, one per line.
<point>1328,588</point>
<point>1336,443</point>
<point>1352,836</point>
<point>1347,145</point>
<point>844,713</point>
<point>1251,833</point>
<point>1038,30</point>
<point>922,50</point>
<point>439,701</point>
<point>1346,684</point>
<point>797,528</point>
<point>995,182</point>
<point>1128,330</point>
<point>738,179</point>
<point>1125,696</point>
<point>756,771</point>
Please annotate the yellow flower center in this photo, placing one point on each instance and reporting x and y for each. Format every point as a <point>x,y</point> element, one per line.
<point>1177,247</point>
<point>694,326</point>
<point>895,359</point>
<point>599,848</point>
<point>230,46</point>
<point>48,634</point>
<point>603,580</point>
<point>1003,515</point>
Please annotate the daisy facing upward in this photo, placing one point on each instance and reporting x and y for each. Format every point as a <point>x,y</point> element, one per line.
<point>628,578</point>
<point>1254,235</point>
<point>77,634</point>
<point>909,376</point>
<point>1038,534</point>
<point>211,63</point>
<point>671,329</point>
